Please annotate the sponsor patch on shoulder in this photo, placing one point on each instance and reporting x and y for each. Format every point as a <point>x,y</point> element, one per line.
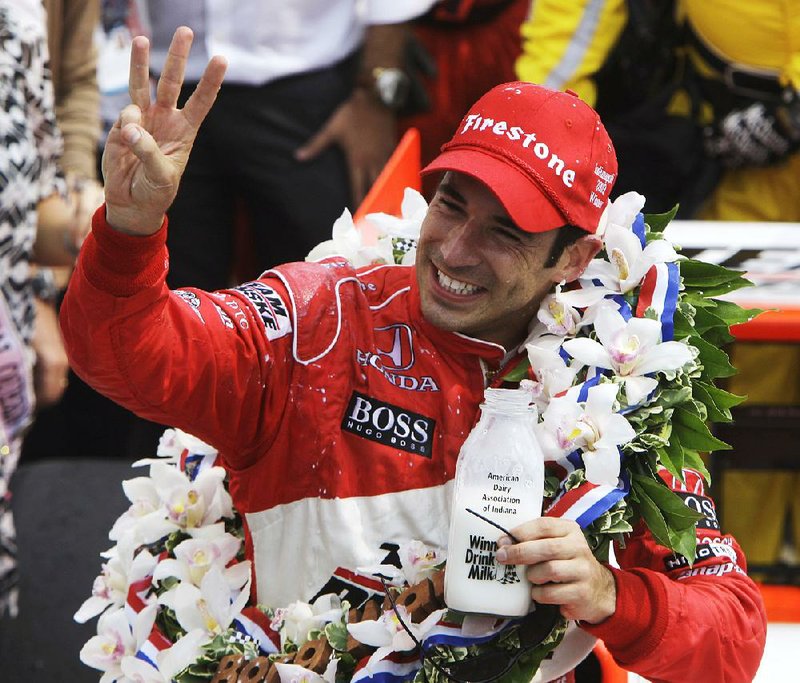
<point>389,425</point>
<point>270,308</point>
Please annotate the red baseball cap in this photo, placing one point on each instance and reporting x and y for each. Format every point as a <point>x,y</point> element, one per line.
<point>545,155</point>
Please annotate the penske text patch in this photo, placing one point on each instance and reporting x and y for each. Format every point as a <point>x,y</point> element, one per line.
<point>270,308</point>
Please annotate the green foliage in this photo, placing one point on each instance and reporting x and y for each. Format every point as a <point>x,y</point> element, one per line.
<point>657,222</point>
<point>522,671</point>
<point>204,668</point>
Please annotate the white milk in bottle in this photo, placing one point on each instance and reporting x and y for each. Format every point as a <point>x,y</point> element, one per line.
<point>499,479</point>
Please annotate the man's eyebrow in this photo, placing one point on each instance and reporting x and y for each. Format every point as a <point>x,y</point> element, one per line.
<point>450,191</point>
<point>503,220</point>
<point>506,222</point>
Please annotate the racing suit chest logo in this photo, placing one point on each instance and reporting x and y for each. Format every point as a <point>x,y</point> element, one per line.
<point>389,425</point>
<point>393,357</point>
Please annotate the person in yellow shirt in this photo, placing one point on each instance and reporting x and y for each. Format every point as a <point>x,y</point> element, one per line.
<point>744,58</point>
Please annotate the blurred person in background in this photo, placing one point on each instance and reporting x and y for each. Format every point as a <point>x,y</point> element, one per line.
<point>39,223</point>
<point>701,100</point>
<point>463,48</point>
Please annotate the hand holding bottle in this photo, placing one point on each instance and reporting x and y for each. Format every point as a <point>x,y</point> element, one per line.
<point>561,568</point>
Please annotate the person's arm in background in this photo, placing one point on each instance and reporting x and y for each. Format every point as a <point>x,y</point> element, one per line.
<point>362,126</point>
<point>565,43</point>
<point>73,64</point>
<point>63,222</point>
<point>73,59</point>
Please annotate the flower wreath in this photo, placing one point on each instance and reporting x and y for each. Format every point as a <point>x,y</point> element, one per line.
<point>622,365</point>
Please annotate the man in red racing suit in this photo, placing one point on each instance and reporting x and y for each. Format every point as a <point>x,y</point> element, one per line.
<point>339,398</point>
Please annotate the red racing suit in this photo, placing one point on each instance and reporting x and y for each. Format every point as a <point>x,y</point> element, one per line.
<point>339,413</point>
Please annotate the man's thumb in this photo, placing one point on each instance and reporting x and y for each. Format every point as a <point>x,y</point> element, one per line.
<point>156,166</point>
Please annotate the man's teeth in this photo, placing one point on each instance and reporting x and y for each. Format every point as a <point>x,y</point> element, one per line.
<point>455,286</point>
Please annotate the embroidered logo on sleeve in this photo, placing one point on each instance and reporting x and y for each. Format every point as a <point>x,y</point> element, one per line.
<point>192,300</point>
<point>270,308</point>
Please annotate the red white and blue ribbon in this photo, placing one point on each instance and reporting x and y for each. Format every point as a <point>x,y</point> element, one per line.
<point>449,633</point>
<point>155,643</point>
<point>194,463</point>
<point>586,502</point>
<point>395,668</point>
<point>638,228</point>
<point>136,600</point>
<point>254,623</point>
<point>659,291</point>
<point>398,667</point>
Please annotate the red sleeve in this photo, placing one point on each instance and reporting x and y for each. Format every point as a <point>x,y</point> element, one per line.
<point>191,359</point>
<point>676,622</point>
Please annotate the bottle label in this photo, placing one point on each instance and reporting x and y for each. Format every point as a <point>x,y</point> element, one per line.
<point>500,500</point>
<point>483,566</point>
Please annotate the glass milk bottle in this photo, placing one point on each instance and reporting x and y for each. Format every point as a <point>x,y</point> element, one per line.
<point>499,480</point>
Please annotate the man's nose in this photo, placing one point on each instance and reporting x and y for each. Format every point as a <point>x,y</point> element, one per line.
<point>460,246</point>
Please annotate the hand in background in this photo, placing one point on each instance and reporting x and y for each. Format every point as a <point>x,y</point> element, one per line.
<point>85,197</point>
<point>367,134</point>
<point>148,147</point>
<point>50,371</point>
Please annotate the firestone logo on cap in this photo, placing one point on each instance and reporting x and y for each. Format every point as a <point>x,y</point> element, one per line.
<point>481,123</point>
<point>520,137</point>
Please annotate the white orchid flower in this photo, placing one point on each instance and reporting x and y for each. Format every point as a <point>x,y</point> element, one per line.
<point>116,641</point>
<point>553,374</point>
<point>294,673</point>
<point>172,444</point>
<point>388,635</point>
<point>113,641</point>
<point>296,621</point>
<point>621,212</point>
<point>408,225</point>
<point>122,569</point>
<point>184,505</point>
<point>557,316</point>
<point>627,262</point>
<point>211,607</point>
<point>195,556</point>
<point>593,427</point>
<point>418,561</point>
<point>631,349</point>
<point>349,243</point>
<point>145,501</point>
<point>170,662</point>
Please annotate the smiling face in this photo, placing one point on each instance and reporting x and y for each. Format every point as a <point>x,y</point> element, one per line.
<point>478,273</point>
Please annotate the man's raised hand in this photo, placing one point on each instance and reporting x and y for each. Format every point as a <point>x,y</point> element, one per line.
<point>148,147</point>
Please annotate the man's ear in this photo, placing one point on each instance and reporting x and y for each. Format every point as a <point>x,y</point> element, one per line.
<point>576,257</point>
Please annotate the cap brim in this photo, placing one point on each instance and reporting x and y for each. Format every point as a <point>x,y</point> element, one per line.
<point>521,197</point>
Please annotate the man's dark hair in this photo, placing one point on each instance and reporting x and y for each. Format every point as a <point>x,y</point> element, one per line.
<point>566,235</point>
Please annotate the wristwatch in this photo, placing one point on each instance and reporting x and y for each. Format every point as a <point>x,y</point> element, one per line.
<point>44,286</point>
<point>390,85</point>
